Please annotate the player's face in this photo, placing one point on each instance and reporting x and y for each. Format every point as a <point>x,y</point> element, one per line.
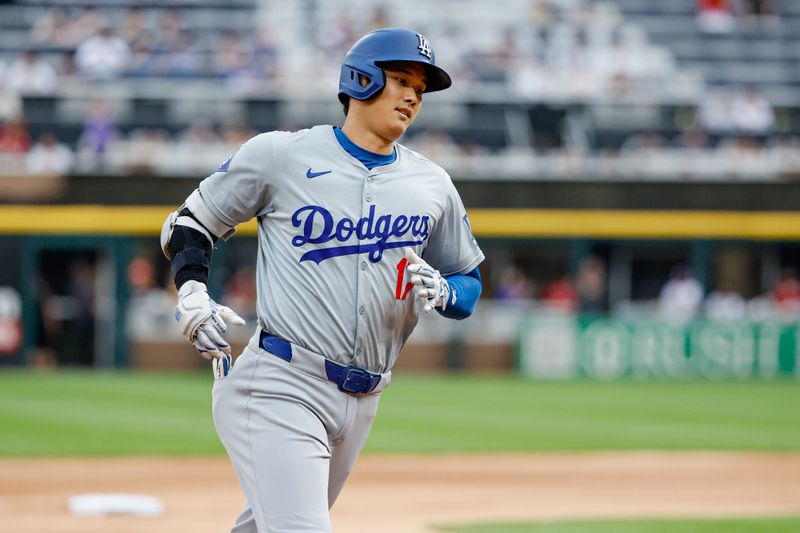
<point>396,107</point>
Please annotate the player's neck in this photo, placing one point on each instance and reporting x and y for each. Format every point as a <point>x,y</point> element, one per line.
<point>366,139</point>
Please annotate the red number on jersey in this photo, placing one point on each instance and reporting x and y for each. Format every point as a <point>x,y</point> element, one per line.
<point>399,292</point>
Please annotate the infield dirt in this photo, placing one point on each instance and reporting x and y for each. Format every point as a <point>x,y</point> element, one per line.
<point>410,494</point>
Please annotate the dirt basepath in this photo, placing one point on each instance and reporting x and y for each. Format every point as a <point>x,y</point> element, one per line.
<point>407,494</point>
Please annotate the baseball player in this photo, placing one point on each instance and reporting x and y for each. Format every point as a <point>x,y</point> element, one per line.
<point>356,233</point>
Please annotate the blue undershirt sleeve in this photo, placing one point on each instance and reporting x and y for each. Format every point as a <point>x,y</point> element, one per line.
<point>467,289</point>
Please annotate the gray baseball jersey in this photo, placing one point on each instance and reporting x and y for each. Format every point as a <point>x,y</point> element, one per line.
<point>331,268</point>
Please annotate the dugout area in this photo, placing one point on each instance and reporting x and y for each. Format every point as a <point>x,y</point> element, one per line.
<point>58,251</point>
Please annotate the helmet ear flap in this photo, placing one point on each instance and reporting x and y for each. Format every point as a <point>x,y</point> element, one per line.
<point>361,84</point>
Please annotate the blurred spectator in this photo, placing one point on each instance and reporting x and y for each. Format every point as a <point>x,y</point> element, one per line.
<point>715,113</point>
<point>145,149</point>
<point>89,22</point>
<point>590,285</point>
<point>231,55</point>
<point>760,12</point>
<point>435,144</point>
<point>752,113</point>
<point>644,143</point>
<point>199,135</point>
<point>265,57</point>
<point>67,70</point>
<point>715,16</point>
<point>681,296</point>
<point>786,292</point>
<point>104,56</point>
<point>141,276</point>
<point>337,38</point>
<point>760,8</point>
<point>235,134</point>
<point>150,306</point>
<point>182,56</point>
<point>560,294</point>
<point>53,27</point>
<point>170,24</point>
<point>240,292</point>
<point>144,57</point>
<point>692,138</point>
<point>132,26</point>
<point>14,136</point>
<point>380,19</point>
<point>725,305</point>
<point>99,130</point>
<point>10,103</point>
<point>29,74</point>
<point>48,156</point>
<point>513,286</point>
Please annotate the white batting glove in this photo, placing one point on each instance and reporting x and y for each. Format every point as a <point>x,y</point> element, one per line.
<point>431,288</point>
<point>202,322</point>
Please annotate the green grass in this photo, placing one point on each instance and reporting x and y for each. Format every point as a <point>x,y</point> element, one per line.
<point>728,525</point>
<point>432,414</point>
<point>91,413</point>
<point>77,413</point>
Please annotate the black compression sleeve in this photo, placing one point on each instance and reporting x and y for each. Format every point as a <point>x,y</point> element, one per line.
<point>190,251</point>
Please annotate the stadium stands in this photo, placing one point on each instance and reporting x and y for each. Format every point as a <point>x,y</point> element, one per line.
<point>545,89</point>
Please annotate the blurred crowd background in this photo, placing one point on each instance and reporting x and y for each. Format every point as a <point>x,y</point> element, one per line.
<point>545,91</point>
<point>704,89</point>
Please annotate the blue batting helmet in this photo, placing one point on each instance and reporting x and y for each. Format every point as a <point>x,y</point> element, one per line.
<point>383,46</point>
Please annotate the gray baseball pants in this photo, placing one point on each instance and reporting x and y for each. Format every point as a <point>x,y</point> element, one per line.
<point>292,436</point>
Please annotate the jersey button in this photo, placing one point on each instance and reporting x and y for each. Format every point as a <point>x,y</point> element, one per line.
<point>368,197</point>
<point>361,310</point>
<point>363,265</point>
<point>369,179</point>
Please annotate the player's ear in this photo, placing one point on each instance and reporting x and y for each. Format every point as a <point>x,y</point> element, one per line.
<point>363,80</point>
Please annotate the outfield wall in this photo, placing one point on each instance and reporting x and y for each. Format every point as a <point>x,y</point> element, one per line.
<point>553,346</point>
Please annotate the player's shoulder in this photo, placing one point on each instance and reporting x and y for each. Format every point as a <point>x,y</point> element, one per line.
<point>279,137</point>
<point>273,144</point>
<point>418,161</point>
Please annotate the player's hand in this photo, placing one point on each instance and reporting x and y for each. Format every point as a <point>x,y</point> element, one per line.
<point>203,323</point>
<point>430,287</point>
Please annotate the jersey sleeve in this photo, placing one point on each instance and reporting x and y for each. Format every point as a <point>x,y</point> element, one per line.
<point>241,187</point>
<point>451,247</point>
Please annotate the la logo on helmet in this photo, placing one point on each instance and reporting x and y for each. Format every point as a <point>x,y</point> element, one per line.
<point>424,46</point>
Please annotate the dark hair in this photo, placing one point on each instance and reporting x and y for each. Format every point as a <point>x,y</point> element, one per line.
<point>346,105</point>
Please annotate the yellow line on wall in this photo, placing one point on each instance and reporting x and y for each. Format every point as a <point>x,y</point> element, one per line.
<point>634,224</point>
<point>147,220</point>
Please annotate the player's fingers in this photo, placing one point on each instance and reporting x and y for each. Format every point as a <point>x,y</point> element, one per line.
<point>425,270</point>
<point>426,293</point>
<point>412,257</point>
<point>217,321</point>
<point>201,349</point>
<point>422,281</point>
<point>215,337</point>
<point>230,315</point>
<point>214,348</point>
